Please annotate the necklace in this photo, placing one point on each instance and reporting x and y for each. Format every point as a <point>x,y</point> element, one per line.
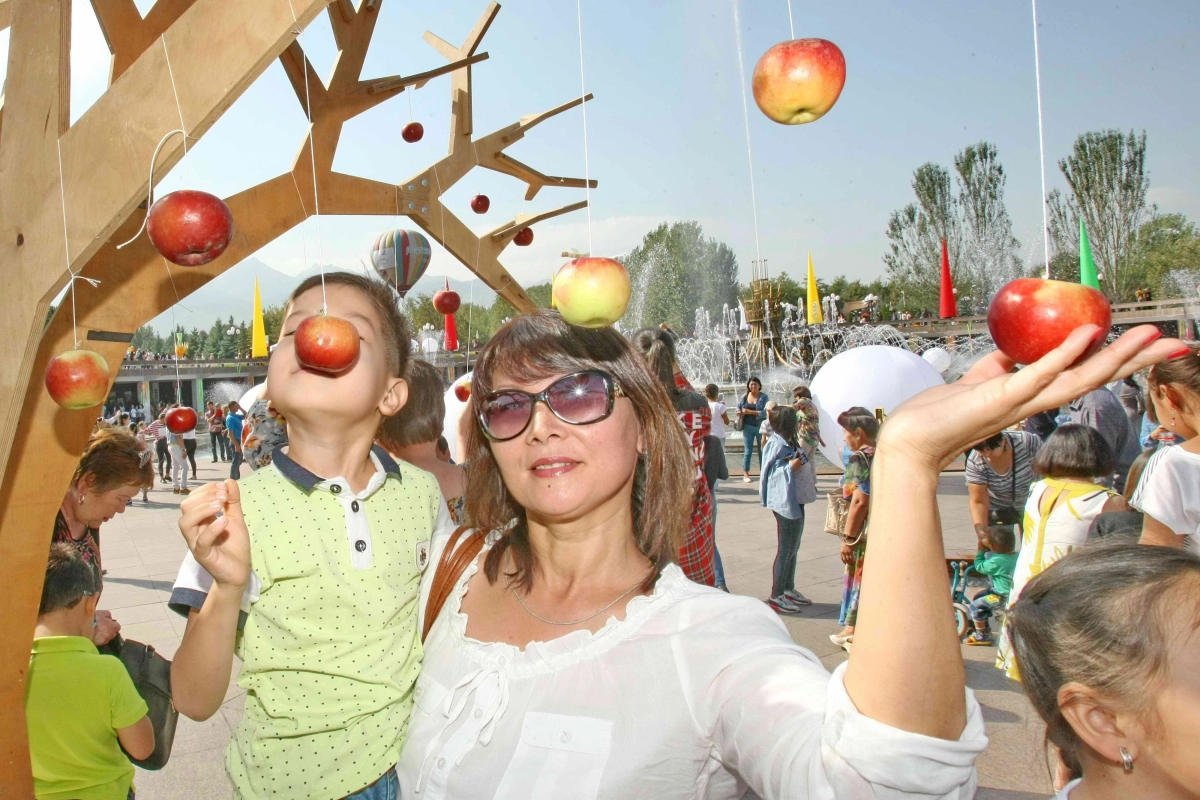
<point>593,615</point>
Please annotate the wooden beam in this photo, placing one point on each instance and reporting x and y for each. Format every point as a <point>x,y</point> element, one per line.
<point>5,14</point>
<point>480,30</point>
<point>508,165</point>
<point>509,229</point>
<point>129,34</point>
<point>419,79</point>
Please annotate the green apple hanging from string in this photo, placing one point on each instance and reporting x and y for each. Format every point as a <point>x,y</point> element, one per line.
<point>799,81</point>
<point>77,379</point>
<point>401,258</point>
<point>524,237</point>
<point>190,228</point>
<point>326,343</point>
<point>591,292</point>
<point>412,132</point>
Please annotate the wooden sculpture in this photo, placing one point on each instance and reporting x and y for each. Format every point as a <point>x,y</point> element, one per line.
<point>69,193</point>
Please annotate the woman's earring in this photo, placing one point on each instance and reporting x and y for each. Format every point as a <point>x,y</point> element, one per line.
<point>1126,760</point>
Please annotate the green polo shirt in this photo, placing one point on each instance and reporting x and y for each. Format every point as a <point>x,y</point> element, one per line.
<point>75,700</point>
<point>330,644</point>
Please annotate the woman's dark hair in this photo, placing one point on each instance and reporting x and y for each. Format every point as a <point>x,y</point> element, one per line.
<point>1183,372</point>
<point>1074,451</point>
<point>541,345</point>
<point>753,379</point>
<point>803,392</point>
<point>712,391</point>
<point>421,418</point>
<point>784,421</point>
<point>1117,641</point>
<point>68,579</point>
<point>658,348</point>
<point>858,418</point>
<point>992,442</point>
<point>114,457</point>
<point>1151,411</point>
<point>1135,474</point>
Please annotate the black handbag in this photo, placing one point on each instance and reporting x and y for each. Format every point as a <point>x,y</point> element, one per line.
<point>1003,515</point>
<point>151,674</point>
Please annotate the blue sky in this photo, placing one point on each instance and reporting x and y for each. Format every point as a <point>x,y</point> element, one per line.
<point>666,136</point>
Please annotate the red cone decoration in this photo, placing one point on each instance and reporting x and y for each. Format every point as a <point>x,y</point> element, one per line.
<point>451,340</point>
<point>948,307</point>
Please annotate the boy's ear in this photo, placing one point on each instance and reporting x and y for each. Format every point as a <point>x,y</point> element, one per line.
<point>394,397</point>
<point>89,604</point>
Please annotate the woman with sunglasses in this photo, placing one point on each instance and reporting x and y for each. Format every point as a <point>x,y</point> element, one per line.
<point>114,467</point>
<point>573,659</point>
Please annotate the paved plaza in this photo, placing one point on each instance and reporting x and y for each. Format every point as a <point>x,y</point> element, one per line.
<point>142,550</point>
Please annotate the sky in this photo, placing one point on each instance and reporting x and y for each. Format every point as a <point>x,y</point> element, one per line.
<point>666,134</point>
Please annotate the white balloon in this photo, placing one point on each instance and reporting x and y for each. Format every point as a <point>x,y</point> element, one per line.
<point>874,377</point>
<point>251,397</point>
<point>430,346</point>
<point>939,358</point>
<point>455,408</point>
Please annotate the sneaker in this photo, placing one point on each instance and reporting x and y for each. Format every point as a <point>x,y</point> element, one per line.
<point>797,598</point>
<point>782,605</point>
<point>175,490</point>
<point>745,479</point>
<point>978,639</point>
<point>185,491</point>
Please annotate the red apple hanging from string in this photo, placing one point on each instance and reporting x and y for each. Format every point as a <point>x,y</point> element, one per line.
<point>799,81</point>
<point>326,343</point>
<point>412,132</point>
<point>77,379</point>
<point>462,391</point>
<point>446,301</point>
<point>591,292</point>
<point>181,420</point>
<point>480,203</point>
<point>189,228</point>
<point>524,237</point>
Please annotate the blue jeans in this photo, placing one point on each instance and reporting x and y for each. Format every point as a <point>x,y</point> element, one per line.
<point>986,603</point>
<point>788,532</point>
<point>751,437</point>
<point>386,788</point>
<point>717,553</point>
<point>235,466</point>
<point>219,446</point>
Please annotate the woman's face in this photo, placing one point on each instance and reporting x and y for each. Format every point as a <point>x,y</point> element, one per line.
<point>99,507</point>
<point>562,473</point>
<point>855,439</point>
<point>1172,738</point>
<point>754,387</point>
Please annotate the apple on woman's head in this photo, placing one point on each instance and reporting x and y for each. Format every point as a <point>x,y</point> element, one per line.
<point>326,343</point>
<point>799,81</point>
<point>1029,317</point>
<point>591,292</point>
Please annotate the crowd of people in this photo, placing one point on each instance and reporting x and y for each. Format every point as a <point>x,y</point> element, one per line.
<point>546,616</point>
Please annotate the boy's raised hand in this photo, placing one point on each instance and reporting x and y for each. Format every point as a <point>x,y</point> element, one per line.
<point>219,541</point>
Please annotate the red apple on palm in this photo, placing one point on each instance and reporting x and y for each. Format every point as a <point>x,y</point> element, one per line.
<point>1029,317</point>
<point>524,237</point>
<point>799,81</point>
<point>480,203</point>
<point>77,379</point>
<point>591,292</point>
<point>181,420</point>
<point>412,132</point>
<point>326,343</point>
<point>190,228</point>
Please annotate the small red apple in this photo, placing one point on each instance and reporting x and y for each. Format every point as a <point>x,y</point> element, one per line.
<point>326,343</point>
<point>413,132</point>
<point>480,203</point>
<point>1029,317</point>
<point>181,420</point>
<point>77,379</point>
<point>799,81</point>
<point>190,228</point>
<point>463,391</point>
<point>591,292</point>
<point>446,301</point>
<point>524,237</point>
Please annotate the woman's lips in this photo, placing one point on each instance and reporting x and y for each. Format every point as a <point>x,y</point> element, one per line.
<point>553,466</point>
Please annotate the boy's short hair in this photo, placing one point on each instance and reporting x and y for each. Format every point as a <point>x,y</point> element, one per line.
<point>1001,538</point>
<point>712,391</point>
<point>397,338</point>
<point>423,414</point>
<point>69,579</point>
<point>443,446</point>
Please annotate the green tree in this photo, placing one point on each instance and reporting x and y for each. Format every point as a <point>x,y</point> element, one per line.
<point>674,271</point>
<point>1165,255</point>
<point>228,344</point>
<point>989,250</point>
<point>1106,174</point>
<point>273,322</point>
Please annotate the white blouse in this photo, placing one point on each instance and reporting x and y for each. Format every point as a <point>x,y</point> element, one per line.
<point>695,694</point>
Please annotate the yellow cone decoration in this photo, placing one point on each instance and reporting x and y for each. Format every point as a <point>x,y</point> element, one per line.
<point>258,332</point>
<point>814,299</point>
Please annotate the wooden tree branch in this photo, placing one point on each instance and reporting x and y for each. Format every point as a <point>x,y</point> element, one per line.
<point>421,78</point>
<point>5,14</point>
<point>128,34</point>
<point>508,230</point>
<point>536,180</point>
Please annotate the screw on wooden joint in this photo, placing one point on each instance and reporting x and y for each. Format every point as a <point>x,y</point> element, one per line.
<point>20,239</point>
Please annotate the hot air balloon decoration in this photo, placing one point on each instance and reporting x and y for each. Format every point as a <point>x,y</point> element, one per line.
<point>401,258</point>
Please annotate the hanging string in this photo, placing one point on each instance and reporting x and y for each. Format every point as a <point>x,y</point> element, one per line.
<point>178,108</point>
<point>408,94</point>
<point>312,156</point>
<point>1037,72</point>
<point>791,23</point>
<point>587,178</point>
<point>737,28</point>
<point>470,315</point>
<point>150,191</point>
<point>67,250</point>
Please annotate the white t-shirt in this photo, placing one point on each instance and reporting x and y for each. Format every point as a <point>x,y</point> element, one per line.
<point>1170,492</point>
<point>718,424</point>
<point>1066,790</point>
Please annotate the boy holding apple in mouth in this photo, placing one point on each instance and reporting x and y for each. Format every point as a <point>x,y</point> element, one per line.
<point>309,570</point>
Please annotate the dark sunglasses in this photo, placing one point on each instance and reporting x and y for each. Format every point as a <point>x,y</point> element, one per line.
<point>578,399</point>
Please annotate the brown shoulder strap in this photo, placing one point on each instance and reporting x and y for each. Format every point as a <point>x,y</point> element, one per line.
<point>449,569</point>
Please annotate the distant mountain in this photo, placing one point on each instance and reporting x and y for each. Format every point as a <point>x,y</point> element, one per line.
<point>232,294</point>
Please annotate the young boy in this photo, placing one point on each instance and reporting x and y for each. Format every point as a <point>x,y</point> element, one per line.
<point>79,704</point>
<point>997,560</point>
<point>312,565</point>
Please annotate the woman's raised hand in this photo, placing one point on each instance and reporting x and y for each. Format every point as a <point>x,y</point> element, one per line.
<point>215,530</point>
<point>941,422</point>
